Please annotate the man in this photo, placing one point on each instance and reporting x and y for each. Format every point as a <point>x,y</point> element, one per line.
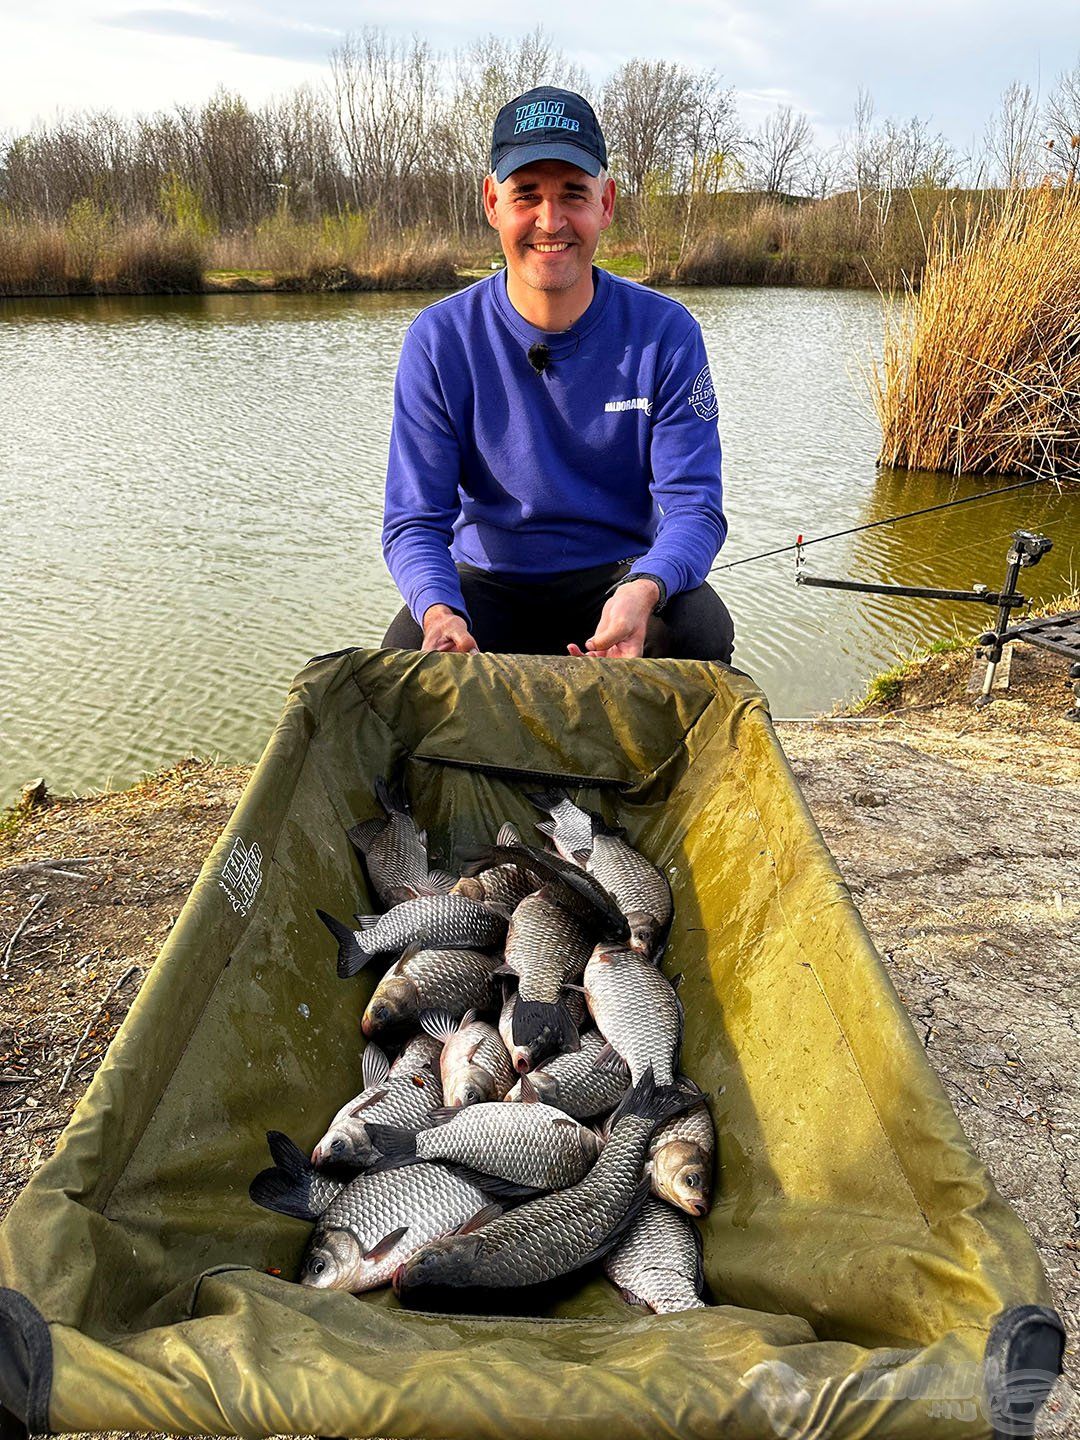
<point>555,432</point>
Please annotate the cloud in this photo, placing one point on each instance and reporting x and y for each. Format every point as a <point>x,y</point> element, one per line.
<point>254,33</point>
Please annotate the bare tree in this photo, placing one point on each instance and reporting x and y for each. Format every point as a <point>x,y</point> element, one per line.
<point>779,153</point>
<point>1062,122</point>
<point>385,93</point>
<point>1012,137</point>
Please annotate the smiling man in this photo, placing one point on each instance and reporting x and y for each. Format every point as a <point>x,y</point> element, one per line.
<point>554,473</point>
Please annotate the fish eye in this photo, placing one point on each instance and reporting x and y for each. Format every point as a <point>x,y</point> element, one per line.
<point>693,1180</point>
<point>337,1147</point>
<point>317,1267</point>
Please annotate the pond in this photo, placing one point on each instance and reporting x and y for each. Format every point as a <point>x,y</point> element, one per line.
<point>192,495</point>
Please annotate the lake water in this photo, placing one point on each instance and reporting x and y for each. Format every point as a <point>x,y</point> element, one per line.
<point>191,492</point>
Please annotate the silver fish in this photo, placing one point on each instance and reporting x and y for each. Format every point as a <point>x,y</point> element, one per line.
<point>569,829</point>
<point>504,885</point>
<point>395,852</point>
<point>522,1056</point>
<point>681,1157</point>
<point>372,1224</point>
<point>557,1233</point>
<point>474,1064</point>
<point>641,892</point>
<point>545,947</point>
<point>519,1149</point>
<point>576,1084</point>
<point>636,1010</point>
<point>405,1094</point>
<point>658,1263</point>
<point>435,921</point>
<point>451,980</point>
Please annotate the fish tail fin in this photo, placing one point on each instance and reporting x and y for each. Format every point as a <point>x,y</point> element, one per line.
<point>540,1028</point>
<point>650,1101</point>
<point>350,959</point>
<point>286,1187</point>
<point>547,799</point>
<point>391,796</point>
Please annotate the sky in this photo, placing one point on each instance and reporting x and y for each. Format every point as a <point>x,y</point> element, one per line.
<point>945,60</point>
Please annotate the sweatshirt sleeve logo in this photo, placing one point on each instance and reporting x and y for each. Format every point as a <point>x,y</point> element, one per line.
<point>702,396</point>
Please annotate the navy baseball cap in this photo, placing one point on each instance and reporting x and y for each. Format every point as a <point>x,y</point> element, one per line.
<point>547,124</point>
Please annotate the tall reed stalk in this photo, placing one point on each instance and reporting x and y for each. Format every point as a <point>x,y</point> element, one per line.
<point>981,369</point>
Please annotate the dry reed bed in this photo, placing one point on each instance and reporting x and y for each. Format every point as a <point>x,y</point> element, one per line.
<point>91,254</point>
<point>981,370</point>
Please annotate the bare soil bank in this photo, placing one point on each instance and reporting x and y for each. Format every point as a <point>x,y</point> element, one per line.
<point>955,829</point>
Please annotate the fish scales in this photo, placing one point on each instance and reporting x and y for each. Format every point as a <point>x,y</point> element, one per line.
<point>435,921</point>
<point>636,1010</point>
<point>575,1084</point>
<point>546,946</point>
<point>659,1262</point>
<point>641,892</point>
<point>535,1145</point>
<point>556,1234</point>
<point>430,1201</point>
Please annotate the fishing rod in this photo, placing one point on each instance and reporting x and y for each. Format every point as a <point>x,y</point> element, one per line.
<point>801,543</point>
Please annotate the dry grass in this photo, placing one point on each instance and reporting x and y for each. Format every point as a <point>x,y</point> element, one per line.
<point>90,255</point>
<point>981,370</point>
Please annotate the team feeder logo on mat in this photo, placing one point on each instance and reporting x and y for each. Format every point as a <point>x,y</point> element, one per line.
<point>241,875</point>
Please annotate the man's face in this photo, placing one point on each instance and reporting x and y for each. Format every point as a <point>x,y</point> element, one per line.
<point>549,217</point>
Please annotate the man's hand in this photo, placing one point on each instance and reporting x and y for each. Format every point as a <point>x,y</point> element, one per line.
<point>621,630</point>
<point>445,630</point>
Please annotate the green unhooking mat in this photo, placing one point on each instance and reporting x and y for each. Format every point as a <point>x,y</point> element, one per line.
<point>866,1277</point>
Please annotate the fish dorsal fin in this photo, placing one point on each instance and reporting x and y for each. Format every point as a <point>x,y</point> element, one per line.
<point>528,1091</point>
<point>480,1219</point>
<point>375,1067</point>
<point>442,1116</point>
<point>439,1024</point>
<point>603,1056</point>
<point>438,882</point>
<point>365,833</point>
<point>567,1120</point>
<point>366,1101</point>
<point>467,1018</point>
<point>508,835</point>
<point>382,1247</point>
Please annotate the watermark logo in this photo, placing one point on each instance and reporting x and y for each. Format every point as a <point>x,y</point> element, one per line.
<point>703,397</point>
<point>241,875</point>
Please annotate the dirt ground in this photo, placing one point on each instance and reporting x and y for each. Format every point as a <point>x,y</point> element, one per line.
<point>955,828</point>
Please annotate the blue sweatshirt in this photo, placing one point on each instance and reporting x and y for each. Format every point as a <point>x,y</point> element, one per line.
<point>612,452</point>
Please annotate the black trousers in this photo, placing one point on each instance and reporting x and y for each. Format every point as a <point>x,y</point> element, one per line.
<point>511,616</point>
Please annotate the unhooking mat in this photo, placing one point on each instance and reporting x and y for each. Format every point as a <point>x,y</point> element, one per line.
<point>867,1277</point>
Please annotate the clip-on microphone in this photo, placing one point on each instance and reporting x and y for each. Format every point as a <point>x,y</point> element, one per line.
<point>539,357</point>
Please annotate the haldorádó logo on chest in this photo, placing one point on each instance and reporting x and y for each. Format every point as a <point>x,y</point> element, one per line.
<point>703,397</point>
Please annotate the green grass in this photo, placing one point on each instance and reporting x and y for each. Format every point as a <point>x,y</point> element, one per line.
<point>887,685</point>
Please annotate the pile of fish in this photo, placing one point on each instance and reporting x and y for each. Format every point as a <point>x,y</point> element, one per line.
<point>535,1120</point>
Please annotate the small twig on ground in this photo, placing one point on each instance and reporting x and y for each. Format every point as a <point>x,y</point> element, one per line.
<point>92,1022</point>
<point>10,950</point>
